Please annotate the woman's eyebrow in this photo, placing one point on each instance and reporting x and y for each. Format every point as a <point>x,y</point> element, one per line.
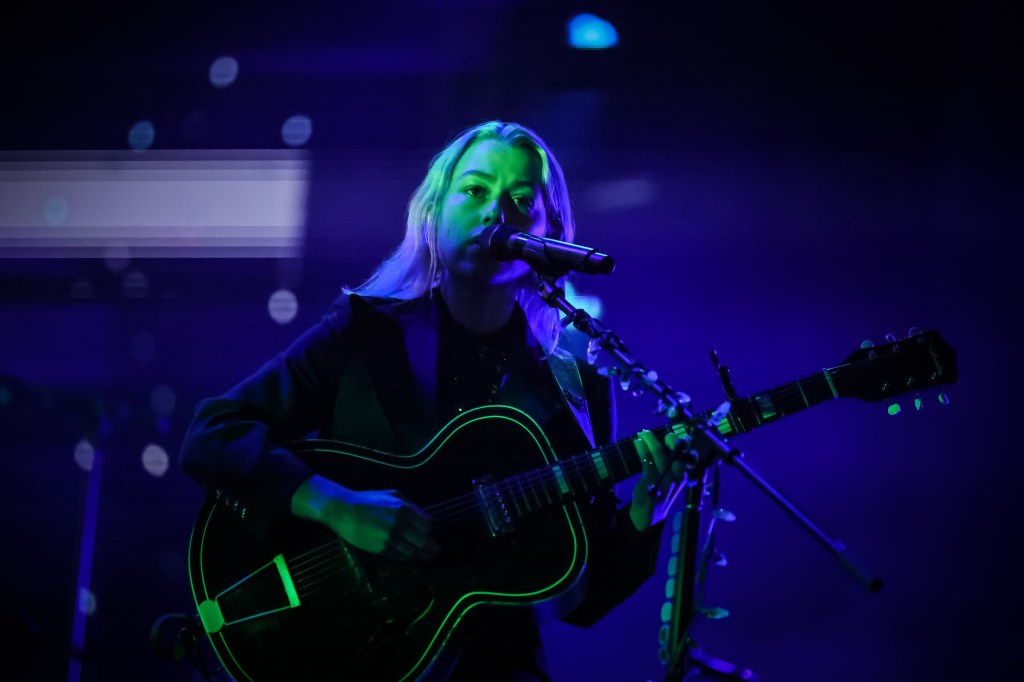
<point>488,176</point>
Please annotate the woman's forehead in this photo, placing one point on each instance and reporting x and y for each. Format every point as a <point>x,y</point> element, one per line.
<point>497,158</point>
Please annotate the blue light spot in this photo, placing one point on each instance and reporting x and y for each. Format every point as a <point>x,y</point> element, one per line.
<point>141,136</point>
<point>297,130</point>
<point>589,32</point>
<point>223,71</point>
<point>283,306</point>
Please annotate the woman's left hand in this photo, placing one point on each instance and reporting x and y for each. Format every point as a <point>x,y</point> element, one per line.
<point>654,493</point>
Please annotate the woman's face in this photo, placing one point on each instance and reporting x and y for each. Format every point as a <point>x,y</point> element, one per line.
<point>491,183</point>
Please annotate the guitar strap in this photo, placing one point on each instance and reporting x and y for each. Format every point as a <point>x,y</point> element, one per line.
<point>570,383</point>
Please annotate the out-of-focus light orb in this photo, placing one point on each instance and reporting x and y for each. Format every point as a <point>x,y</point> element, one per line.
<point>6,397</point>
<point>162,399</point>
<point>283,306</point>
<point>589,32</point>
<point>592,304</point>
<point>223,71</point>
<point>86,601</point>
<point>56,210</point>
<point>155,460</point>
<point>134,284</point>
<point>85,455</point>
<point>297,130</point>
<point>143,346</point>
<point>141,136</point>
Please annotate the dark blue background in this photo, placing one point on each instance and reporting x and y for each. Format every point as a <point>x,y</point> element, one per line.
<point>778,183</point>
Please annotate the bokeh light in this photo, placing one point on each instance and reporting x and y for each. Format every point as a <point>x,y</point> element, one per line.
<point>155,460</point>
<point>86,601</point>
<point>85,454</point>
<point>297,130</point>
<point>223,71</point>
<point>283,306</point>
<point>590,32</point>
<point>141,136</point>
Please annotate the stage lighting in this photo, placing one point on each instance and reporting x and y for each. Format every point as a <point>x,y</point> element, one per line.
<point>589,32</point>
<point>141,136</point>
<point>297,130</point>
<point>85,454</point>
<point>223,71</point>
<point>283,306</point>
<point>155,460</point>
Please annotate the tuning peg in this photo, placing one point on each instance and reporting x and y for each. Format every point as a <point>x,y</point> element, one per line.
<point>890,338</point>
<point>918,403</point>
<point>914,331</point>
<point>894,409</point>
<point>943,398</point>
<point>867,343</point>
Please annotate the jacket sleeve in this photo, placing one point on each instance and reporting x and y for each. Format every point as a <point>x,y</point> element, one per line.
<point>621,557</point>
<point>234,442</point>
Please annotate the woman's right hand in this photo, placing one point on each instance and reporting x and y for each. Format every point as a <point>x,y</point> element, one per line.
<point>377,521</point>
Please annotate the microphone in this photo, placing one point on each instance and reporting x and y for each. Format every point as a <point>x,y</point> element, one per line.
<point>548,256</point>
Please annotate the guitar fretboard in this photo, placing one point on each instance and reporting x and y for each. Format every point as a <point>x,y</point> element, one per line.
<point>583,475</point>
<point>756,410</point>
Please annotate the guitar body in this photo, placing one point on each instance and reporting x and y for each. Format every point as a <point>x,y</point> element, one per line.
<point>302,604</point>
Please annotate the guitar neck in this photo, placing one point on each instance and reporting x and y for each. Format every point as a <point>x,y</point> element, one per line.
<point>746,414</point>
<point>870,373</point>
<point>585,474</point>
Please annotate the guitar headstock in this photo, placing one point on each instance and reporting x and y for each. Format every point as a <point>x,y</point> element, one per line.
<point>874,373</point>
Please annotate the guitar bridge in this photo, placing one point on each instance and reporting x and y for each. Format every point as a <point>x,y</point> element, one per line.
<point>492,505</point>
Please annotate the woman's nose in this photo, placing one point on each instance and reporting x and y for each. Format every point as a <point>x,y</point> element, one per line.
<point>495,214</point>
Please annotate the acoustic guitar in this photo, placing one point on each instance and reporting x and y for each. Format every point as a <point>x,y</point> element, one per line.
<point>303,604</point>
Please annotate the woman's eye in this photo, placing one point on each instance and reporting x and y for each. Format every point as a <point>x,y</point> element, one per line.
<point>523,202</point>
<point>474,190</point>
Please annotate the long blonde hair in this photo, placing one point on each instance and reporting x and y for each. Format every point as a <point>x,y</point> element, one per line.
<point>413,269</point>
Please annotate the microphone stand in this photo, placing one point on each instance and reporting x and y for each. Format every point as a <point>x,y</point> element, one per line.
<point>705,450</point>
